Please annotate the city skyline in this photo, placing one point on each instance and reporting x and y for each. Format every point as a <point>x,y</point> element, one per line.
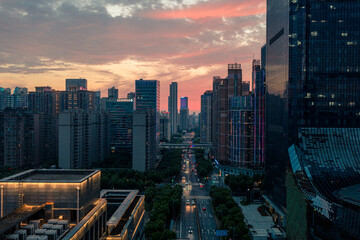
<point>53,42</point>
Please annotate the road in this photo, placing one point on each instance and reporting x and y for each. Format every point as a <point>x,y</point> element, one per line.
<point>199,217</point>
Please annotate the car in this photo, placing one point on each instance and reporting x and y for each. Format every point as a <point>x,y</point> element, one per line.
<point>193,202</point>
<point>188,202</point>
<point>190,230</point>
<point>204,208</point>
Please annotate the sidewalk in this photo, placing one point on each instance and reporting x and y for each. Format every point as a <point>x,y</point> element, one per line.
<point>253,217</point>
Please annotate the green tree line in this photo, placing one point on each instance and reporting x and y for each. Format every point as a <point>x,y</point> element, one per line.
<point>229,213</point>
<point>165,204</point>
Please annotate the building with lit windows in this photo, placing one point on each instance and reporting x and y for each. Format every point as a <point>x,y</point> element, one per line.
<point>68,204</point>
<point>121,117</point>
<point>312,77</point>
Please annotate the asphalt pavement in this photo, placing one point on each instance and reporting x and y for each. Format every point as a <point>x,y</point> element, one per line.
<point>197,221</point>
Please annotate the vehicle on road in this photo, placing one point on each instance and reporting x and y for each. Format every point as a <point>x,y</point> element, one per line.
<point>190,230</point>
<point>193,202</point>
<point>188,202</point>
<point>183,179</point>
<point>204,208</point>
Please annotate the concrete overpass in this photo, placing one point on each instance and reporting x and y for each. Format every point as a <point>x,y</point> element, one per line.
<point>186,145</point>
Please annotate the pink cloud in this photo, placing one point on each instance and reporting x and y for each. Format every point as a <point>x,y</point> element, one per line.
<point>215,9</point>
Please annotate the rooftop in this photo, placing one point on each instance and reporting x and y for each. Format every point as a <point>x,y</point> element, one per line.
<point>51,175</point>
<point>17,216</point>
<point>349,194</point>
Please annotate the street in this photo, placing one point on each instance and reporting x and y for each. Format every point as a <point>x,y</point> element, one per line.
<point>197,217</point>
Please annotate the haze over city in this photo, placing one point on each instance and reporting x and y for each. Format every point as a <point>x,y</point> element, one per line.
<point>112,43</point>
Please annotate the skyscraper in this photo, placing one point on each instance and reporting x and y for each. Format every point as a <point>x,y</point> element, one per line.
<point>223,90</point>
<point>184,114</point>
<point>173,107</point>
<point>45,100</point>
<point>76,82</point>
<point>205,117</point>
<point>184,102</point>
<point>147,104</point>
<point>77,98</point>
<point>121,117</point>
<point>83,138</point>
<point>312,76</point>
<point>258,79</point>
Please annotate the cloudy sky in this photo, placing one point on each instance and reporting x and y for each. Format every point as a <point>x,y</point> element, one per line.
<point>114,42</point>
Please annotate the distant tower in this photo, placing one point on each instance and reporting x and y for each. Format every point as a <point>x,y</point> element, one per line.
<point>173,107</point>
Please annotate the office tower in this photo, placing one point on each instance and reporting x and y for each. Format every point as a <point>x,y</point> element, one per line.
<point>184,102</point>
<point>83,138</point>
<point>77,98</point>
<point>165,133</point>
<point>223,90</point>
<point>45,100</point>
<point>147,94</point>
<point>131,95</point>
<point>192,121</point>
<point>121,116</point>
<point>184,119</point>
<point>205,117</point>
<point>241,132</point>
<point>80,82</point>
<point>26,139</point>
<point>312,76</point>
<point>113,93</point>
<point>173,107</point>
<point>142,154</point>
<point>258,79</point>
<point>5,93</point>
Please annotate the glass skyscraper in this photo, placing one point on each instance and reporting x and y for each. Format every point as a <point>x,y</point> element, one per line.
<point>312,75</point>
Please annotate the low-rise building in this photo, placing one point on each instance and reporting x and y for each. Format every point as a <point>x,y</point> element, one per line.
<point>67,204</point>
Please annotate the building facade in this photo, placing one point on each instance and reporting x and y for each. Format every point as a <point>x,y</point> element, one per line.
<point>173,107</point>
<point>312,76</point>
<point>27,138</point>
<point>113,93</point>
<point>241,132</point>
<point>147,94</point>
<point>121,116</point>
<point>83,138</point>
<point>205,117</point>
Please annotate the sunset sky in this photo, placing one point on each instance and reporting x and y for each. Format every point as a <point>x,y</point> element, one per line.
<point>115,42</point>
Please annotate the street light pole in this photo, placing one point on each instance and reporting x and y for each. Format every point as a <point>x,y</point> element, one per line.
<point>78,205</point>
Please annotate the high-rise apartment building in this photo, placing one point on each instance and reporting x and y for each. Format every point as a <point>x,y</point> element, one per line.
<point>26,138</point>
<point>77,98</point>
<point>205,117</point>
<point>113,93</point>
<point>223,90</point>
<point>5,94</point>
<point>45,100</point>
<point>241,132</point>
<point>83,138</point>
<point>173,107</point>
<point>147,94</point>
<point>76,82</point>
<point>121,117</point>
<point>312,76</point>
